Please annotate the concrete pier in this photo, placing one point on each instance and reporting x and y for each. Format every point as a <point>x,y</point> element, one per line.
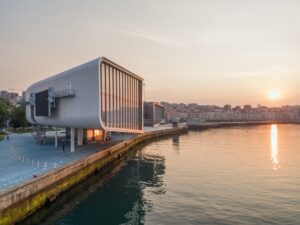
<point>19,202</point>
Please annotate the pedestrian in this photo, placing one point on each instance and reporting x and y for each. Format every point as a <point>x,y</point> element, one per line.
<point>63,145</point>
<point>7,137</point>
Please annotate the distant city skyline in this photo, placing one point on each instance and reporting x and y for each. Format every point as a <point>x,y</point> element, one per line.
<point>205,52</point>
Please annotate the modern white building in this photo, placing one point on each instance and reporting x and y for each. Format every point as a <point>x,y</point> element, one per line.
<point>93,98</point>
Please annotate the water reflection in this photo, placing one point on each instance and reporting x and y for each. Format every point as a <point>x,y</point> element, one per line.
<point>175,141</point>
<point>219,177</point>
<point>146,172</point>
<point>125,192</point>
<point>274,147</point>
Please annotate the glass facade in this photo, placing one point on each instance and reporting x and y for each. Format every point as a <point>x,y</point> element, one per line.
<point>121,98</point>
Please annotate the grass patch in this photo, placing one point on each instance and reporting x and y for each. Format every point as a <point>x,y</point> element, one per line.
<point>20,130</point>
<point>2,135</point>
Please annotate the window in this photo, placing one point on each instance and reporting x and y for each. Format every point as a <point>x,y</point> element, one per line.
<point>120,98</point>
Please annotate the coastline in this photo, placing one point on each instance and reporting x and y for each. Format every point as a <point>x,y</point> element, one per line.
<point>21,201</point>
<point>208,125</point>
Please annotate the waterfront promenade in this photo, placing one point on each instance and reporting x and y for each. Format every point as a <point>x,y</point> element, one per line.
<point>28,195</point>
<point>22,159</point>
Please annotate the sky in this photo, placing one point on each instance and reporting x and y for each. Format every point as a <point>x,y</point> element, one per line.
<point>194,51</point>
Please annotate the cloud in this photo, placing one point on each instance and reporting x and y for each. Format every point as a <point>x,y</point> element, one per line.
<point>132,31</point>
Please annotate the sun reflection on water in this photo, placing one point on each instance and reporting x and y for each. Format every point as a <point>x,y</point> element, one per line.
<point>274,147</point>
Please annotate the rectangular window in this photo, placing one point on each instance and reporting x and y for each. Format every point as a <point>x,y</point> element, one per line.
<point>141,104</point>
<point>115,98</point>
<point>131,104</point>
<point>135,105</point>
<point>127,102</point>
<point>102,92</point>
<point>41,103</point>
<point>120,97</point>
<point>124,99</point>
<point>107,89</point>
<point>109,97</point>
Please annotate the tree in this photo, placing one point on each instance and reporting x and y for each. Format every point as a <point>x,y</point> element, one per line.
<point>4,111</point>
<point>18,117</point>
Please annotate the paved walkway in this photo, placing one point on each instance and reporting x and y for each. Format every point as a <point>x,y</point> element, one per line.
<point>21,157</point>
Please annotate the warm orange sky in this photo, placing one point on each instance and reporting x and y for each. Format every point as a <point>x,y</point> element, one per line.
<point>208,52</point>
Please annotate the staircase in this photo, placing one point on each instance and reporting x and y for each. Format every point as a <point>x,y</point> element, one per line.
<point>39,134</point>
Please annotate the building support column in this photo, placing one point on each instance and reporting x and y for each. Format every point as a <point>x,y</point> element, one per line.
<point>72,144</point>
<point>104,135</point>
<point>79,136</point>
<point>55,138</point>
<point>107,135</point>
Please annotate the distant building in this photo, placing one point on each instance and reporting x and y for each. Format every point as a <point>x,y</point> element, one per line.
<point>154,113</point>
<point>237,108</point>
<point>201,113</point>
<point>12,97</point>
<point>247,108</point>
<point>3,94</point>
<point>192,106</point>
<point>227,107</point>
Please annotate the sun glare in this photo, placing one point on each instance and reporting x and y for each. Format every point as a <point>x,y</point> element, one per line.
<point>274,95</point>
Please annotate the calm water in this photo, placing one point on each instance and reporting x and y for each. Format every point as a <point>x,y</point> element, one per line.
<point>220,176</point>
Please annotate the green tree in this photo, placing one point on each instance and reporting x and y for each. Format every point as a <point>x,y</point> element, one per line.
<point>4,111</point>
<point>18,117</point>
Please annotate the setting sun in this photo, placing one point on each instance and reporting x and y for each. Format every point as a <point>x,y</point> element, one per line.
<point>274,95</point>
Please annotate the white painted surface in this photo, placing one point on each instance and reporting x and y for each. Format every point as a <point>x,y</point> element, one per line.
<point>79,136</point>
<point>79,111</point>
<point>55,138</point>
<point>84,109</point>
<point>72,144</point>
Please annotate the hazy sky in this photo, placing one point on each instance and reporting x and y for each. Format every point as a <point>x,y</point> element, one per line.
<point>208,52</point>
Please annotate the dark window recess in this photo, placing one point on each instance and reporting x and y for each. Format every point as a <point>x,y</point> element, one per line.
<point>41,103</point>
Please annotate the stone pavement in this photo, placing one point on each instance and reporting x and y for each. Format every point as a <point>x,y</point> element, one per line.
<point>21,158</point>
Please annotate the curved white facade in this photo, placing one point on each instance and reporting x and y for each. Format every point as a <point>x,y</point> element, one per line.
<point>95,95</point>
